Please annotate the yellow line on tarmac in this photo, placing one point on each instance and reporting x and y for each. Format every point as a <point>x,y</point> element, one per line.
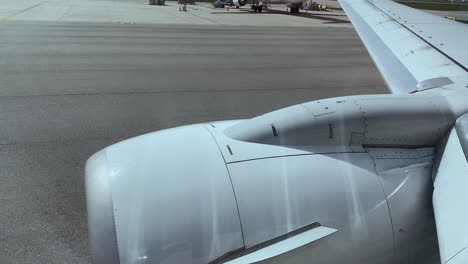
<point>4,18</point>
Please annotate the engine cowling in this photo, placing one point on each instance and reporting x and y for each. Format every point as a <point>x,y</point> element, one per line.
<point>239,3</point>
<point>206,193</point>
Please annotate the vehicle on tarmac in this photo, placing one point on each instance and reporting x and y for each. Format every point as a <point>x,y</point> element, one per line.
<point>259,6</point>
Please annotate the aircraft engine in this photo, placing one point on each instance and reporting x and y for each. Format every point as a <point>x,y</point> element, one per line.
<point>336,181</point>
<point>239,3</point>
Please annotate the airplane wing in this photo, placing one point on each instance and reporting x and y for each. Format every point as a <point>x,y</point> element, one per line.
<point>417,51</point>
<point>412,49</point>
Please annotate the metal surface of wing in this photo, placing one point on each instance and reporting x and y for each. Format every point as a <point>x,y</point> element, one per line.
<point>413,50</point>
<point>450,196</point>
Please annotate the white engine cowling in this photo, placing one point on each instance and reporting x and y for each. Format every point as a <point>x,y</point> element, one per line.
<point>348,164</point>
<point>239,3</point>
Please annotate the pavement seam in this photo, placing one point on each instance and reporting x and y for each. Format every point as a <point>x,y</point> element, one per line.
<point>65,13</point>
<point>183,91</point>
<point>116,139</point>
<point>207,19</point>
<point>5,18</point>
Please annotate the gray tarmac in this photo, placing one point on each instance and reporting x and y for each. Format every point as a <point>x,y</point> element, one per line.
<point>70,89</point>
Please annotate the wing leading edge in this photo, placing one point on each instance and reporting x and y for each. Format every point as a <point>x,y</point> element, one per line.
<point>413,50</point>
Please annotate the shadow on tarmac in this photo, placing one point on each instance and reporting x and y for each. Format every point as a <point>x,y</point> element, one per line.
<point>329,18</point>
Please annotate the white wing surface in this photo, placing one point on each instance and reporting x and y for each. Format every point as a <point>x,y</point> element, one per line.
<point>413,50</point>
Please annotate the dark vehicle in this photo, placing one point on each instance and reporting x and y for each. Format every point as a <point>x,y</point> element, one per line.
<point>295,7</point>
<point>258,6</point>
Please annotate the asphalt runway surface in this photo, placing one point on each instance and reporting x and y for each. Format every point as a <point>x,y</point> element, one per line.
<point>70,89</point>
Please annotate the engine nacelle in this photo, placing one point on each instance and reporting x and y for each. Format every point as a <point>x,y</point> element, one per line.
<point>212,193</point>
<point>239,3</point>
<point>354,122</point>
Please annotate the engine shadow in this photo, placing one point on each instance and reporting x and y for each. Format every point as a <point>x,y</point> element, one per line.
<point>328,17</point>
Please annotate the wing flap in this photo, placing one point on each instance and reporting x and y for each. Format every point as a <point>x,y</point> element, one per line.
<point>409,46</point>
<point>442,34</point>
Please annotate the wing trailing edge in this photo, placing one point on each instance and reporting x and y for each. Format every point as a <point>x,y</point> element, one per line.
<point>412,49</point>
